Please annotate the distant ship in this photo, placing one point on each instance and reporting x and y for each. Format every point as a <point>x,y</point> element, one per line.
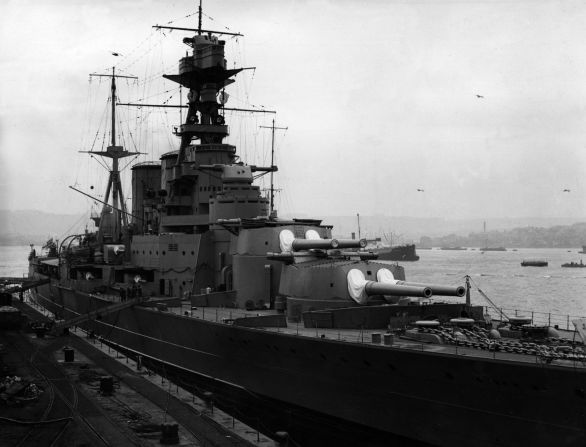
<point>534,263</point>
<point>574,264</point>
<point>404,252</point>
<point>453,248</point>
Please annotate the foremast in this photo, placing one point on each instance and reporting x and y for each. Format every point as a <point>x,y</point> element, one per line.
<point>113,220</point>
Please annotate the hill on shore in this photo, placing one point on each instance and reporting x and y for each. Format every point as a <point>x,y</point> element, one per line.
<point>559,236</point>
<point>25,227</point>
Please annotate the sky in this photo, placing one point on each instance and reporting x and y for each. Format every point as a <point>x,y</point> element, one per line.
<point>479,104</point>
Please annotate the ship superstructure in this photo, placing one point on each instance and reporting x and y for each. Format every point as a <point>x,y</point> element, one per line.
<point>205,281</point>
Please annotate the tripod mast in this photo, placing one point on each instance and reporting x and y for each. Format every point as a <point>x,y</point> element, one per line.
<point>114,185</point>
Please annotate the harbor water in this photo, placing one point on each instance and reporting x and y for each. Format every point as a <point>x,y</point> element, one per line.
<point>553,290</point>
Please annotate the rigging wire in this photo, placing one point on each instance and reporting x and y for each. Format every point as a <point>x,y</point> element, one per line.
<point>485,296</point>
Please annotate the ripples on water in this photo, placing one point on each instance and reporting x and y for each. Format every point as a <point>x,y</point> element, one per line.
<point>499,275</point>
<point>14,260</point>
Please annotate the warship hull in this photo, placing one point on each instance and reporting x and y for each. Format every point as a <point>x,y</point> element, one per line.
<point>434,397</point>
<point>398,253</point>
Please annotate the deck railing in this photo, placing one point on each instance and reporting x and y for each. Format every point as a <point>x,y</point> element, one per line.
<point>561,321</point>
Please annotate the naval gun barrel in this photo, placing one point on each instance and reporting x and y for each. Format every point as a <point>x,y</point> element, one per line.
<point>438,289</point>
<point>384,288</point>
<point>326,244</point>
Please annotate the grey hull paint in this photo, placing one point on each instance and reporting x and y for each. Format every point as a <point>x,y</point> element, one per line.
<point>363,384</point>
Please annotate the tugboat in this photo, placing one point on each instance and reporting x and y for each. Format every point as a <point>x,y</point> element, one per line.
<point>204,281</point>
<point>573,264</point>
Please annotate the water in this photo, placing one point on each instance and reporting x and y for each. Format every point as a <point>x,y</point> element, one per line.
<point>14,260</point>
<point>509,285</point>
<point>552,289</point>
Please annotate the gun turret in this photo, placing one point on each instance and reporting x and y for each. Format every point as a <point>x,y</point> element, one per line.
<point>326,244</point>
<point>359,288</point>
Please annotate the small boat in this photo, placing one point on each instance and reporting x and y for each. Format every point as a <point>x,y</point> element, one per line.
<point>534,263</point>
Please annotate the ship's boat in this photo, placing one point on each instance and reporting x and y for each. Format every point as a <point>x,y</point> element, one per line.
<point>534,263</point>
<point>204,282</point>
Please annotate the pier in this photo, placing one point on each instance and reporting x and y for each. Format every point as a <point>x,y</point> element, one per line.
<point>85,391</point>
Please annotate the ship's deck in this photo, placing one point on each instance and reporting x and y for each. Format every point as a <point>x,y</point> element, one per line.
<point>226,316</point>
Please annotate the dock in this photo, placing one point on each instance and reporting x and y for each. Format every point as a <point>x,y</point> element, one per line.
<point>72,406</point>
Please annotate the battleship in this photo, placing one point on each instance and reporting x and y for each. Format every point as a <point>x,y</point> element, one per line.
<point>202,279</point>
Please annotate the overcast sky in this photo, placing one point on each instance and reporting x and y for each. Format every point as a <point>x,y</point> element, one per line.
<point>479,103</point>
